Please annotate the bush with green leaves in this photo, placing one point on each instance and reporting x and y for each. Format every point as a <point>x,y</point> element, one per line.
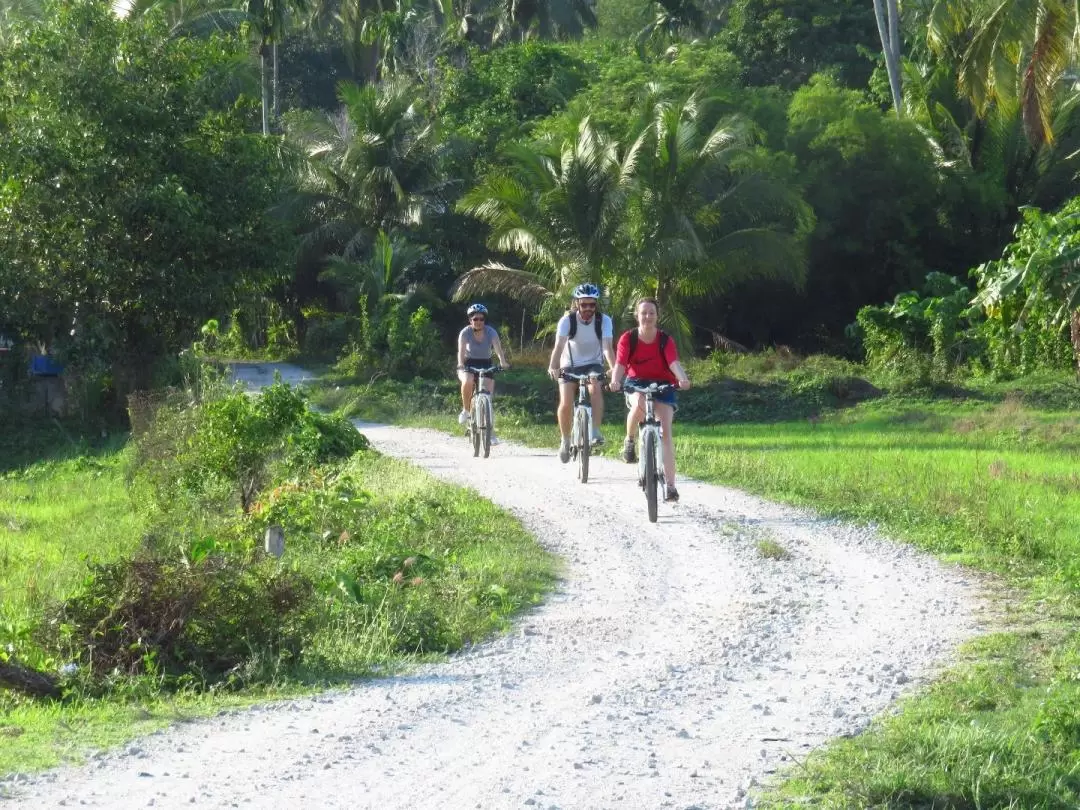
<point>225,448</point>
<point>1031,296</point>
<point>928,334</point>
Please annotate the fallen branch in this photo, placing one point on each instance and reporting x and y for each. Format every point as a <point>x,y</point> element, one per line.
<point>29,681</point>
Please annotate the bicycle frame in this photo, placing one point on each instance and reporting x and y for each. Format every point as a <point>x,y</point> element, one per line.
<point>650,424</point>
<point>650,427</point>
<point>482,414</point>
<point>583,402</point>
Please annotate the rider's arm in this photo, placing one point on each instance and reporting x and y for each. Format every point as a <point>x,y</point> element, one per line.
<point>618,374</point>
<point>496,344</point>
<point>622,357</point>
<point>461,350</point>
<point>680,373</point>
<point>605,342</point>
<point>609,353</point>
<point>556,355</point>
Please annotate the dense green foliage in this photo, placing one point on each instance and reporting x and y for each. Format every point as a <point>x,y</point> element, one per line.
<point>402,121</point>
<point>1022,319</point>
<point>131,192</point>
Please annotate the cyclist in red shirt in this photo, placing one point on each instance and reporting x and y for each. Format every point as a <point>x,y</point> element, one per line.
<point>654,359</point>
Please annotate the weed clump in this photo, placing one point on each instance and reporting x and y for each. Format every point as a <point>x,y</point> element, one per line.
<point>210,620</point>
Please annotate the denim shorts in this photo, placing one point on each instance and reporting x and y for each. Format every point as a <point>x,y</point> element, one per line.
<point>666,397</point>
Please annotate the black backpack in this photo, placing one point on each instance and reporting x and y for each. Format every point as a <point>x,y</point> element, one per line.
<point>664,338</point>
<point>598,322</point>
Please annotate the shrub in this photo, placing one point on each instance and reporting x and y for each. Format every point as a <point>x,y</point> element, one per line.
<point>231,444</point>
<point>211,618</point>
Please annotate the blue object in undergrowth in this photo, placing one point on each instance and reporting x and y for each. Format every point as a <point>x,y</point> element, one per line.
<point>41,365</point>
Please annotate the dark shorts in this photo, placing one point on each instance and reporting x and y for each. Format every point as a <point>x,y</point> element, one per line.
<point>667,397</point>
<point>588,368</point>
<point>472,364</point>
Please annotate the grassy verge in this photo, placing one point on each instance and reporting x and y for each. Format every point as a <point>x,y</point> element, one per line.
<point>978,473</point>
<point>400,568</point>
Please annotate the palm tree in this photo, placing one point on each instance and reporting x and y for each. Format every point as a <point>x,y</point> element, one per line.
<point>382,274</point>
<point>1016,54</point>
<point>547,19</point>
<point>13,12</point>
<point>888,22</point>
<point>370,167</point>
<point>269,23</point>
<point>559,207</point>
<point>706,216</point>
<point>268,20</point>
<point>672,20</point>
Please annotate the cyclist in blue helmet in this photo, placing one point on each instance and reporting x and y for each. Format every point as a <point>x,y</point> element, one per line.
<point>582,344</point>
<point>476,344</point>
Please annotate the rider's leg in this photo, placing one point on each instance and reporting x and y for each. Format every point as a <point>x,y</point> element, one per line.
<point>596,395</point>
<point>466,380</point>
<point>634,414</point>
<point>666,415</point>
<point>567,395</point>
<point>489,386</point>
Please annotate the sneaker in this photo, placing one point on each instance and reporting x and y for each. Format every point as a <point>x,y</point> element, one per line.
<point>629,454</point>
<point>463,418</point>
<point>672,494</point>
<point>597,439</point>
<point>494,440</point>
<point>564,451</point>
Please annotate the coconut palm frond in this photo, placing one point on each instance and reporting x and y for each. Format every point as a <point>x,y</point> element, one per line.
<point>495,278</point>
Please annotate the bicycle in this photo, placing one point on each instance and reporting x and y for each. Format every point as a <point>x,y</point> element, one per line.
<point>650,446</point>
<point>482,417</point>
<point>581,429</point>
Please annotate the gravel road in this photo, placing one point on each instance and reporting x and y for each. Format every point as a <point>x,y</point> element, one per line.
<point>673,667</point>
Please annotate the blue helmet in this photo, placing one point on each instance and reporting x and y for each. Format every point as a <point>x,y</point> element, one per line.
<point>476,309</point>
<point>586,290</point>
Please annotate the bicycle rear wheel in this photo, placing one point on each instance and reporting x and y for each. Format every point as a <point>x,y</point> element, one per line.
<point>582,429</point>
<point>648,452</point>
<point>489,425</point>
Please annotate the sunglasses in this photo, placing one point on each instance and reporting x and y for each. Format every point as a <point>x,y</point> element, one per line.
<point>479,319</point>
<point>586,306</point>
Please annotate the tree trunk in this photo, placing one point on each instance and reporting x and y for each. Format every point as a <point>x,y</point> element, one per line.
<point>26,680</point>
<point>277,97</point>
<point>1074,335</point>
<point>888,24</point>
<point>264,80</point>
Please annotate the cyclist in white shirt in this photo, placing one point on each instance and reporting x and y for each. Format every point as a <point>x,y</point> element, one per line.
<point>582,344</point>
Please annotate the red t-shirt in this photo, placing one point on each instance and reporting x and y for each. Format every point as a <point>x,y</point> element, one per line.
<point>646,364</point>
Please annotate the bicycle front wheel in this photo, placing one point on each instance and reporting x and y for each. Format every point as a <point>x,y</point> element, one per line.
<point>489,425</point>
<point>648,452</point>
<point>474,429</point>
<point>583,429</point>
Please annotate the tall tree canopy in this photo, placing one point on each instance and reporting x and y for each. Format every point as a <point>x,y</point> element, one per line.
<point>132,199</point>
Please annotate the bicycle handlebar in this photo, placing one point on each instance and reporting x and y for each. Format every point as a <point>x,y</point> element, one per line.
<point>591,375</point>
<point>488,370</point>
<point>651,388</point>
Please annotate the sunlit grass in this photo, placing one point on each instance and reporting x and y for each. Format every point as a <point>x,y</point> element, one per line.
<point>55,517</point>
